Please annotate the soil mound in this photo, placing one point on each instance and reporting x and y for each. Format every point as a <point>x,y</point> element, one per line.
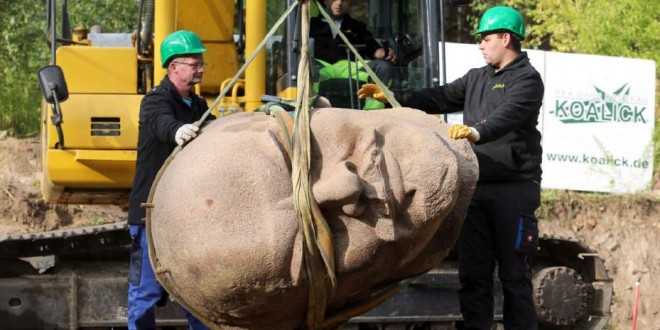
<point>23,210</point>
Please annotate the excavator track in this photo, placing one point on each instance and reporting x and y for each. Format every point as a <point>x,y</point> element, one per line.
<point>63,241</point>
<point>84,272</point>
<point>572,288</point>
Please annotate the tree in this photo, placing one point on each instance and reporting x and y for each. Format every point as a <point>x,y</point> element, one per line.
<point>629,28</point>
<point>23,50</point>
<point>19,61</point>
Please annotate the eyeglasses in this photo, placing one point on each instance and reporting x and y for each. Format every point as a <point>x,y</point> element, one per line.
<point>194,66</point>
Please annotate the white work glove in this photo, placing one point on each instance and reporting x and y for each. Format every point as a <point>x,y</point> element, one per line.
<point>185,133</point>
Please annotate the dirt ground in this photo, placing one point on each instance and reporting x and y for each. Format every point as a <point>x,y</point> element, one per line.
<point>623,229</point>
<point>21,207</point>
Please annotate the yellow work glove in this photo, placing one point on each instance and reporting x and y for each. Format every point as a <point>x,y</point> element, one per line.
<point>460,131</point>
<point>373,91</point>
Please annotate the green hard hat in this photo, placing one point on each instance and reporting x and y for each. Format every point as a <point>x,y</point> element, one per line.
<point>502,18</point>
<point>178,43</point>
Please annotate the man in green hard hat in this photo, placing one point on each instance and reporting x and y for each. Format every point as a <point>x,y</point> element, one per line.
<point>167,114</point>
<point>501,103</point>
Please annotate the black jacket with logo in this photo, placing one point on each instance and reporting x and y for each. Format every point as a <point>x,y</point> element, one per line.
<point>162,112</point>
<point>503,106</point>
<point>331,49</point>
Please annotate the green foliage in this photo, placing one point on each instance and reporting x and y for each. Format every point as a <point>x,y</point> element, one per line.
<point>23,50</point>
<point>628,28</point>
<point>20,116</point>
<point>19,62</point>
<point>112,15</point>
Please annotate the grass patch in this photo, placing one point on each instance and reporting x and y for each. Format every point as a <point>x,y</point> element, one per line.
<point>567,204</point>
<point>20,114</point>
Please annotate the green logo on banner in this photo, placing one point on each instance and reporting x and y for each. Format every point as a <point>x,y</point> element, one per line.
<point>599,107</point>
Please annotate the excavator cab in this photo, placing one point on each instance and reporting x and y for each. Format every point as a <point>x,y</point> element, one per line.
<point>339,79</point>
<point>402,26</point>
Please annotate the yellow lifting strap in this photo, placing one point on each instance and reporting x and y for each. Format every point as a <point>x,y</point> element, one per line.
<point>285,122</point>
<point>162,273</point>
<point>318,249</point>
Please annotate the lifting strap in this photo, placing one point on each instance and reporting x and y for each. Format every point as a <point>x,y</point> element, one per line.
<point>285,122</point>
<point>318,249</point>
<point>286,125</point>
<point>161,271</point>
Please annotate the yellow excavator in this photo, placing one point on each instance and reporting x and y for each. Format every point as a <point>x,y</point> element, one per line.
<point>89,141</point>
<point>76,278</point>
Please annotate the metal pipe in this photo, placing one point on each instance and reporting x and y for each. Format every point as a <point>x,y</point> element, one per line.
<point>165,24</point>
<point>255,74</point>
<point>53,38</point>
<point>293,43</point>
<point>443,62</point>
<point>350,75</point>
<point>429,20</point>
<point>357,83</point>
<point>148,27</point>
<point>240,23</point>
<point>139,26</point>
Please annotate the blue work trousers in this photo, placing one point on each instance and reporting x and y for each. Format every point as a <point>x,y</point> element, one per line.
<point>143,290</point>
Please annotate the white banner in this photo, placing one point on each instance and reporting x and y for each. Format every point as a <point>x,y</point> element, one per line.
<point>598,123</point>
<point>597,119</point>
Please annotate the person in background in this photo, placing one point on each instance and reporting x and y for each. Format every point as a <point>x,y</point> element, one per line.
<point>501,103</point>
<point>167,114</point>
<point>330,48</point>
<point>79,35</point>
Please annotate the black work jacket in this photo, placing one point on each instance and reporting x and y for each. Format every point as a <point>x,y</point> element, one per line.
<point>162,112</point>
<point>503,106</point>
<point>330,49</point>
